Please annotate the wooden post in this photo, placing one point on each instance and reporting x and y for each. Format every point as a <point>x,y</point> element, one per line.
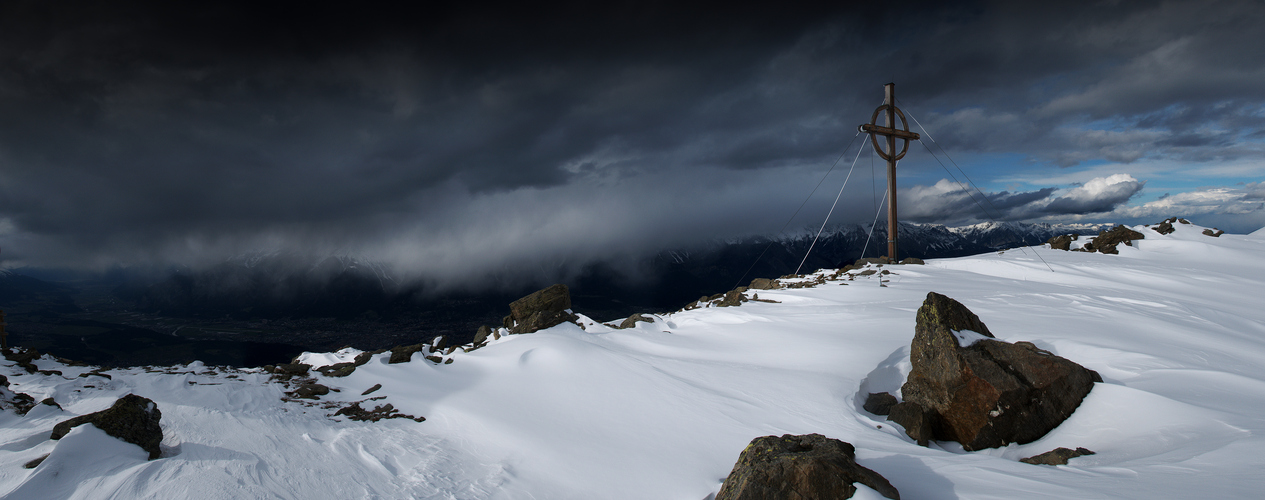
<point>890,133</point>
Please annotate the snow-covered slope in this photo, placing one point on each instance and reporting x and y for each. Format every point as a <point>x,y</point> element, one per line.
<point>1174,325</point>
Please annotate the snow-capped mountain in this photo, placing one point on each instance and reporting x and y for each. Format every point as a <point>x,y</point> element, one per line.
<point>1172,324</point>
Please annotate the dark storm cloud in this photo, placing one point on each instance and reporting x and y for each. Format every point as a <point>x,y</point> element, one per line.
<point>502,135</point>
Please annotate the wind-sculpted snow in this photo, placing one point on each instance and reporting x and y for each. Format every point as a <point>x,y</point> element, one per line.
<point>663,409</point>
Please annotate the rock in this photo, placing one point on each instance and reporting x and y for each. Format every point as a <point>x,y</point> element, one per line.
<point>50,402</point>
<point>482,334</point>
<point>371,390</point>
<point>404,353</point>
<point>132,418</point>
<point>24,358</point>
<point>34,463</point>
<point>1058,456</point>
<point>1183,221</point>
<point>764,284</point>
<point>632,321</point>
<point>310,391</point>
<point>356,412</point>
<point>733,298</point>
<point>810,466</point>
<point>867,272</point>
<point>1165,227</point>
<point>435,359</point>
<point>880,403</point>
<point>1106,241</point>
<point>1063,242</point>
<point>915,419</point>
<point>1208,232</point>
<point>448,361</point>
<point>871,260</point>
<point>912,260</point>
<point>439,343</point>
<point>292,369</point>
<point>541,309</point>
<point>987,394</point>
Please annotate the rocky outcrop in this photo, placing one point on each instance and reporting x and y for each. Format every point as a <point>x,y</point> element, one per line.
<point>347,368</point>
<point>539,310</point>
<point>481,335</point>
<point>1165,227</point>
<point>1216,234</point>
<point>1058,456</point>
<point>1063,242</point>
<point>912,260</point>
<point>979,391</point>
<point>1106,241</point>
<point>358,413</point>
<point>404,353</point>
<point>132,418</point>
<point>632,321</point>
<point>810,466</point>
<point>310,391</point>
<point>764,284</point>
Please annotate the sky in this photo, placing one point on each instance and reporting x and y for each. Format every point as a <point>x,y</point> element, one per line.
<point>481,138</point>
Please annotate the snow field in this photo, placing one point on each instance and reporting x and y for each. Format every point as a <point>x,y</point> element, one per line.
<point>1174,325</point>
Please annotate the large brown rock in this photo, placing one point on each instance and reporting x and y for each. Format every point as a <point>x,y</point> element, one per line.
<point>132,418</point>
<point>988,394</point>
<point>1106,241</point>
<point>810,466</point>
<point>542,309</point>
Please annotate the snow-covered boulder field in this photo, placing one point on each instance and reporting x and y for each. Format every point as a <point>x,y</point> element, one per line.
<point>1174,324</point>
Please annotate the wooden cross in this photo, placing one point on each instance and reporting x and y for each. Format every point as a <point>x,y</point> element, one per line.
<point>891,133</point>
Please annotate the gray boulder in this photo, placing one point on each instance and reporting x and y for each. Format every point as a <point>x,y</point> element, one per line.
<point>541,309</point>
<point>810,466</point>
<point>988,394</point>
<point>132,418</point>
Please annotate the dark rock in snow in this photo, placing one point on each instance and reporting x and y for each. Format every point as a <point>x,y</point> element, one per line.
<point>482,334</point>
<point>1165,227</point>
<point>912,260</point>
<point>632,321</point>
<point>310,391</point>
<point>132,418</point>
<point>292,369</point>
<point>880,403</point>
<point>764,284</point>
<point>1058,456</point>
<point>404,353</point>
<point>1208,232</point>
<point>541,309</point>
<point>987,394</point>
<point>1063,242</point>
<point>34,463</point>
<point>1106,241</point>
<point>810,466</point>
<point>733,298</point>
<point>356,412</point>
<point>871,260</point>
<point>371,390</point>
